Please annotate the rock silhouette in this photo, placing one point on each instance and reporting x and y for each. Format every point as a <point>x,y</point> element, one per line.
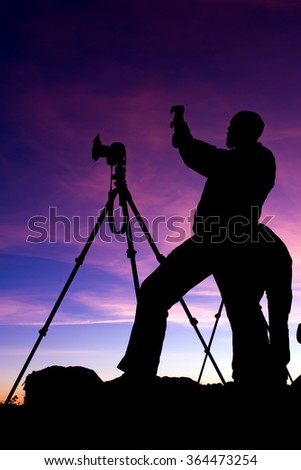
<point>72,408</point>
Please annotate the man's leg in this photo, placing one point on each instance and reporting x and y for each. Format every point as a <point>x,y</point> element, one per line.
<point>278,285</point>
<point>184,268</point>
<point>237,279</point>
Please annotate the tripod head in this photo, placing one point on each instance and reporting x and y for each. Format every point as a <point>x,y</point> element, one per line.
<point>114,153</point>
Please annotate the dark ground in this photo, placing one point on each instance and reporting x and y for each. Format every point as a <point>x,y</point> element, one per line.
<point>72,408</point>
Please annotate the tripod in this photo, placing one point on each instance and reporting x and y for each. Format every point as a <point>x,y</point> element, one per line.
<point>125,200</point>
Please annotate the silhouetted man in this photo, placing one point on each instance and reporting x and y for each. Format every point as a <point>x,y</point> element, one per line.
<point>238,182</point>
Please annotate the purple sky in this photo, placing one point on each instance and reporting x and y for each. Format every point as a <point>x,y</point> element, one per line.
<point>73,69</point>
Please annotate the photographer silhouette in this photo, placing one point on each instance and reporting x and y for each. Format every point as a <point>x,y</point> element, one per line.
<point>225,243</point>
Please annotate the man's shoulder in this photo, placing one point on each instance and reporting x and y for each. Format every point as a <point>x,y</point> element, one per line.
<point>264,151</point>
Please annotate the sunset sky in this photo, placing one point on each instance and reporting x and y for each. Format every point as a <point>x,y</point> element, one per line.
<point>71,69</point>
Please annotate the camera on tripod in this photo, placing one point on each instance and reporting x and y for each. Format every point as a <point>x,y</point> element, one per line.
<point>114,153</point>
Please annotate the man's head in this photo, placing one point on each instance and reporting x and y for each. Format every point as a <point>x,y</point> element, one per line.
<point>245,128</point>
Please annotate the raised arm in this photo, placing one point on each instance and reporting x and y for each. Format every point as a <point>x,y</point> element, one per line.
<point>196,154</point>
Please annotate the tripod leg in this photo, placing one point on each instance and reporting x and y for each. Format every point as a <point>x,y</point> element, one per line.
<point>131,252</point>
<point>79,261</point>
<point>161,258</point>
<point>144,228</point>
<point>217,317</point>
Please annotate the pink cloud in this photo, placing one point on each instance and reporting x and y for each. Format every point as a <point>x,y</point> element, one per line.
<point>22,309</point>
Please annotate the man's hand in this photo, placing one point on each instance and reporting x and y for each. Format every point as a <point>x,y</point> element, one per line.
<point>178,118</point>
<point>181,135</point>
